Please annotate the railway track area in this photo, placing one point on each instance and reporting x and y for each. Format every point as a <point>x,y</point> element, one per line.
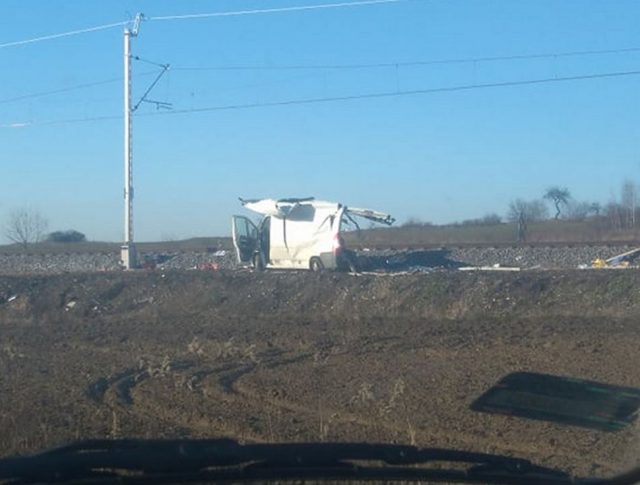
<point>376,258</point>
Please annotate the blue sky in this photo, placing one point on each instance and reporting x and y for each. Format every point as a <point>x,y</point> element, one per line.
<point>438,157</point>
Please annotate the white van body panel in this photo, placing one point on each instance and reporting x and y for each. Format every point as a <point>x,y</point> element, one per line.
<point>308,230</point>
<point>301,229</point>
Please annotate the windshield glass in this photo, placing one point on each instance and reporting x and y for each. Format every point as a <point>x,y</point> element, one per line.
<point>378,221</point>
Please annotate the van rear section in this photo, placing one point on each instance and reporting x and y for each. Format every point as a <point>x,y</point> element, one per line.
<point>341,258</point>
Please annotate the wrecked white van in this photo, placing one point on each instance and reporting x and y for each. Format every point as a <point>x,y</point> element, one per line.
<point>298,233</point>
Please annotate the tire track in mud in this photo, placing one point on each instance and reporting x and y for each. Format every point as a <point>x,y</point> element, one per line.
<point>124,382</point>
<point>227,407</point>
<point>228,383</point>
<point>116,393</point>
<point>201,418</point>
<point>227,378</point>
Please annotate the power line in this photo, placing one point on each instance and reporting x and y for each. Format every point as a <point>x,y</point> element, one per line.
<point>26,124</point>
<point>195,16</point>
<point>327,67</point>
<point>324,67</point>
<point>273,10</point>
<point>388,94</point>
<point>471,60</point>
<point>59,91</point>
<point>63,34</point>
<point>68,89</point>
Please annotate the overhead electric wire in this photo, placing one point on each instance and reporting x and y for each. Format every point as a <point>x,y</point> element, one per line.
<point>273,10</point>
<point>327,67</point>
<point>63,34</point>
<point>387,94</point>
<point>26,124</point>
<point>68,89</point>
<point>470,60</point>
<point>196,16</point>
<point>59,91</point>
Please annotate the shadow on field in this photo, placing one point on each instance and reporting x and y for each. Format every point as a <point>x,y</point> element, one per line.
<point>408,261</point>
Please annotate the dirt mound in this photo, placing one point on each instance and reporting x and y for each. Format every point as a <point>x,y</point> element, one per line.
<point>337,296</point>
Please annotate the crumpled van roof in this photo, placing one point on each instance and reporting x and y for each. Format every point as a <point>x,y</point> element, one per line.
<point>282,207</point>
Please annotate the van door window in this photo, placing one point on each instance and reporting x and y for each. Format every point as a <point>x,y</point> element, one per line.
<point>245,238</point>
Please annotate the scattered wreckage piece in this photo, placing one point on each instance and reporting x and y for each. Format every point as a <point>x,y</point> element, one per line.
<point>495,267</point>
<point>298,233</point>
<point>623,260</point>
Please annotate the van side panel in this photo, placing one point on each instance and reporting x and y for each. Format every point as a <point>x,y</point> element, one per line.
<point>306,232</point>
<point>278,253</point>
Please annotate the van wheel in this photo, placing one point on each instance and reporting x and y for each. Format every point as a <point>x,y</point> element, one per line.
<point>257,263</point>
<point>315,264</point>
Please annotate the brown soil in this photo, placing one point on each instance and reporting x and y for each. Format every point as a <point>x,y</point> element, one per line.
<point>312,357</point>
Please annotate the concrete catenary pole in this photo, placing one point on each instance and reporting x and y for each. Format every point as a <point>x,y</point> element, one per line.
<point>128,251</point>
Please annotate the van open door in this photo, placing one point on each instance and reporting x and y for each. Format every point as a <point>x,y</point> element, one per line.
<point>245,238</point>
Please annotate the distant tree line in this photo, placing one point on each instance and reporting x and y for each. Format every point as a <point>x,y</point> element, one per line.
<point>27,225</point>
<point>415,222</point>
<point>618,214</point>
<point>621,213</point>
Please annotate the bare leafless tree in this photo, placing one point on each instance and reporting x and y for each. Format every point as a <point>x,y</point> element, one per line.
<point>614,214</point>
<point>531,210</point>
<point>25,226</point>
<point>629,201</point>
<point>524,211</point>
<point>579,211</point>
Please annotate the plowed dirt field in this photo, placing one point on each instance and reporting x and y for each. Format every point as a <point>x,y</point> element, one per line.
<point>312,357</point>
